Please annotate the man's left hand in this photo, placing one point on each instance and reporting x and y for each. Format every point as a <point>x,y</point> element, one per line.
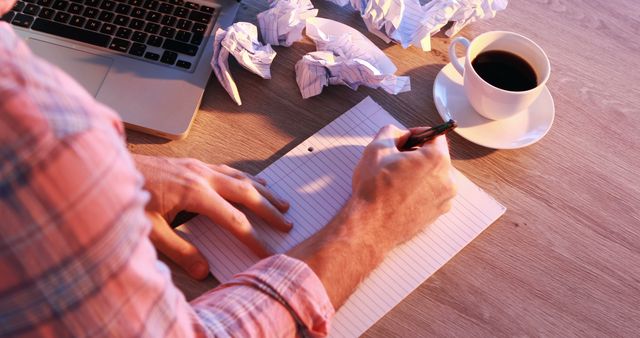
<point>178,184</point>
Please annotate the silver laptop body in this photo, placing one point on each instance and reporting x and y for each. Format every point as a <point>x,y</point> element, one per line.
<point>152,96</point>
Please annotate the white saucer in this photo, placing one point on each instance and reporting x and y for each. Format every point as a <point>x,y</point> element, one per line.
<point>518,131</point>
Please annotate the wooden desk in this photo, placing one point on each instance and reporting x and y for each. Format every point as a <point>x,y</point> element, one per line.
<point>565,258</point>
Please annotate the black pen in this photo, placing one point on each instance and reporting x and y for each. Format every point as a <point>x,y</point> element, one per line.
<point>418,139</point>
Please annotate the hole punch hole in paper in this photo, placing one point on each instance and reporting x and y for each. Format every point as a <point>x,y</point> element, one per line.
<point>310,149</point>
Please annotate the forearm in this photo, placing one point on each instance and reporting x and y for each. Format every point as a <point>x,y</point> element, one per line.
<point>340,255</point>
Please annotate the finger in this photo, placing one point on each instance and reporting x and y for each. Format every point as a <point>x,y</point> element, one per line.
<point>281,204</point>
<point>438,146</point>
<point>235,173</point>
<point>389,137</point>
<point>258,183</point>
<point>245,193</point>
<point>227,216</point>
<point>177,248</point>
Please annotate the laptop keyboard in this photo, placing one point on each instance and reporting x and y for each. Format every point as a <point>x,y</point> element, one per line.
<point>168,32</point>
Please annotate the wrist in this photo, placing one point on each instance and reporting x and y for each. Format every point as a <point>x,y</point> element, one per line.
<point>361,227</point>
<point>344,252</point>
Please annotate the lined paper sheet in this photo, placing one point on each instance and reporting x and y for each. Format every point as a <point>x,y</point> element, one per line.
<point>316,178</point>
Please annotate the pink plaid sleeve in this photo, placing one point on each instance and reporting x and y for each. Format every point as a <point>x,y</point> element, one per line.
<point>301,302</point>
<point>75,257</point>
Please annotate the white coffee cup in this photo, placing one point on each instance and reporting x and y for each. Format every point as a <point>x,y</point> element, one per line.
<point>490,101</point>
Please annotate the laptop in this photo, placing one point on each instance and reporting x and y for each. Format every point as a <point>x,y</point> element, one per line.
<point>149,60</point>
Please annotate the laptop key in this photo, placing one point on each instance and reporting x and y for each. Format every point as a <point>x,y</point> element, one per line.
<point>200,17</point>
<point>137,3</point>
<point>183,64</point>
<point>136,24</point>
<point>123,9</point>
<point>137,49</point>
<point>166,8</point>
<point>77,21</point>
<point>138,13</point>
<point>92,3</point>
<point>22,20</point>
<point>106,16</point>
<point>108,5</point>
<point>153,16</point>
<point>177,2</point>
<point>139,37</point>
<point>124,33</point>
<point>121,20</point>
<point>31,9</point>
<point>45,3</point>
<point>47,13</point>
<point>8,16</point>
<point>90,12</point>
<point>151,4</point>
<point>169,57</point>
<point>192,5</point>
<point>199,28</point>
<point>152,56</point>
<point>75,9</point>
<point>61,17</point>
<point>119,45</point>
<point>168,20</point>
<point>18,7</point>
<point>152,28</point>
<point>92,25</point>
<point>70,32</point>
<point>183,36</point>
<point>184,24</point>
<point>168,32</point>
<point>197,38</point>
<point>60,5</point>
<point>181,12</point>
<point>108,28</point>
<point>177,46</point>
<point>207,9</point>
<point>155,41</point>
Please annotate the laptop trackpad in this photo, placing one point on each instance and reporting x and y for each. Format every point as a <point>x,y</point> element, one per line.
<point>86,68</point>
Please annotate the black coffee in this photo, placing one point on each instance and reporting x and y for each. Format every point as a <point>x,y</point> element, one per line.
<point>505,70</point>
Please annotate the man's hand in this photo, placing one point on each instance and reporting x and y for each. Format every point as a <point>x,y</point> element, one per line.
<point>406,190</point>
<point>177,184</point>
<point>395,195</point>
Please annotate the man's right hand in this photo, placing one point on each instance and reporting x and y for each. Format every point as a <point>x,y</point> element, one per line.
<point>396,194</point>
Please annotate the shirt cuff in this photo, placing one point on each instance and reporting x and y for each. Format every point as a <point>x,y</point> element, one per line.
<point>293,284</point>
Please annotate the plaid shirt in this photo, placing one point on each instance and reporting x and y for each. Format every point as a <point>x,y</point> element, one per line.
<point>75,258</point>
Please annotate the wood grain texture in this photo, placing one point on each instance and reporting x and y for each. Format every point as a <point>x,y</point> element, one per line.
<point>565,258</point>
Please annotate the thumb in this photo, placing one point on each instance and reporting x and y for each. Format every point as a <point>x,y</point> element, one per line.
<point>179,250</point>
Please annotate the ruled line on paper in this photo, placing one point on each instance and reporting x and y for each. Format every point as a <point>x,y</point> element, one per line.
<point>317,183</point>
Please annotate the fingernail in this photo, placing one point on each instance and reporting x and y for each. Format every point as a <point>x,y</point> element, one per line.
<point>262,180</point>
<point>199,269</point>
<point>289,223</point>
